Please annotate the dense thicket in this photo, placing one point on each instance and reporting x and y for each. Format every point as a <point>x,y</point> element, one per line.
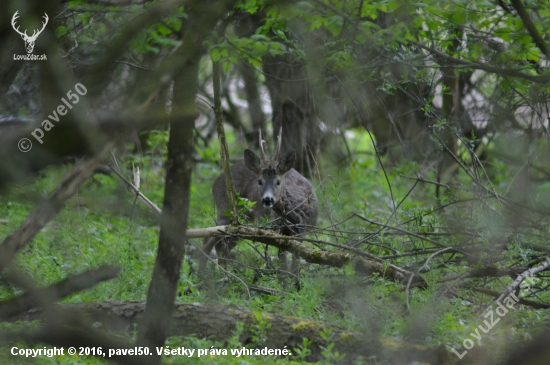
<point>453,96</point>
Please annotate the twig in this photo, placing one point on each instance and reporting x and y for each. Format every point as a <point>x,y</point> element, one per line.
<point>138,193</point>
<point>421,179</point>
<point>526,274</point>
<point>410,233</point>
<point>408,288</point>
<point>222,268</point>
<point>521,301</point>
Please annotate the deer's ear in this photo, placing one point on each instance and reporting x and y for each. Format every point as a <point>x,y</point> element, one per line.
<point>252,161</point>
<point>286,162</point>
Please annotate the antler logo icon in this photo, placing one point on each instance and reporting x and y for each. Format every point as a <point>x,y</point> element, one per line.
<point>29,40</point>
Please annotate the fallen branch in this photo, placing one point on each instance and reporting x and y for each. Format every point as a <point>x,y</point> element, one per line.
<point>57,291</point>
<point>369,266</point>
<point>521,301</point>
<point>62,327</point>
<point>526,274</point>
<point>313,256</point>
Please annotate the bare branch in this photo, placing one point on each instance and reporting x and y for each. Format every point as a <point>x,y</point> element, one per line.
<point>521,301</point>
<point>46,211</point>
<point>484,67</point>
<point>533,32</point>
<point>368,266</point>
<point>57,291</point>
<point>526,274</point>
<point>138,193</point>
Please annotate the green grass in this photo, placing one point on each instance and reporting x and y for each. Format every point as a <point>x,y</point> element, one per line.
<point>103,224</point>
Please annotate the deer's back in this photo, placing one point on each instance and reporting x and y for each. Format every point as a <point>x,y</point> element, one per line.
<point>301,198</point>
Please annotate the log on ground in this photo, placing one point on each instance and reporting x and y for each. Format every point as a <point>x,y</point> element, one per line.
<point>219,323</point>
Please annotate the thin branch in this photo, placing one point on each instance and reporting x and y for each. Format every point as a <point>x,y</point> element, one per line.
<point>409,282</point>
<point>526,274</point>
<point>533,32</point>
<point>336,259</point>
<point>484,67</point>
<point>409,233</point>
<point>138,193</point>
<point>46,211</point>
<point>57,291</point>
<point>521,301</point>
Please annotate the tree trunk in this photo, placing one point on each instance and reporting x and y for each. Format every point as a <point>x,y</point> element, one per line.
<point>257,116</point>
<point>162,289</point>
<point>293,109</point>
<point>203,16</point>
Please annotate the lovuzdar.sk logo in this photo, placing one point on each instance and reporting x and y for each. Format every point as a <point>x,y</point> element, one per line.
<point>29,40</point>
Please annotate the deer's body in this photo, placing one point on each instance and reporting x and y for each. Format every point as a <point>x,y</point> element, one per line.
<point>277,189</point>
<point>297,190</point>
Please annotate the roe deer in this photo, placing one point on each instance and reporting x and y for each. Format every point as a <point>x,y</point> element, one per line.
<point>277,189</point>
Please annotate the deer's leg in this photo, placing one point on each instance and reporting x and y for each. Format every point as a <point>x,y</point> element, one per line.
<point>282,259</point>
<point>286,231</point>
<point>208,245</point>
<point>223,248</point>
<point>292,270</point>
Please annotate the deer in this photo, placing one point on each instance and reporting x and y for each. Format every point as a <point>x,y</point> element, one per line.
<point>29,40</point>
<point>280,192</point>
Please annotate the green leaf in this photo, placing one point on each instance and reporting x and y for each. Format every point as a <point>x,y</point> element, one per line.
<point>215,54</point>
<point>226,67</point>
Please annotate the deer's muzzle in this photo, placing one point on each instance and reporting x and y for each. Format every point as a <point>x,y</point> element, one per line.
<point>268,201</point>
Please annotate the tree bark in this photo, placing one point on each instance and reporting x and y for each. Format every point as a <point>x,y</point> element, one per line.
<point>224,149</point>
<point>293,107</point>
<point>253,98</point>
<point>175,211</point>
<point>185,65</point>
<point>219,322</point>
<point>450,110</point>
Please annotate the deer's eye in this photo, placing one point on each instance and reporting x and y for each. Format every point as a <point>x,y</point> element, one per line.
<point>278,182</point>
<point>260,182</point>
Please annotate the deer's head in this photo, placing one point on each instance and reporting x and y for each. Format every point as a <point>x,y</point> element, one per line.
<point>29,40</point>
<point>270,172</point>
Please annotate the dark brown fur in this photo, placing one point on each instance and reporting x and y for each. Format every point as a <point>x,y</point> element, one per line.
<point>295,197</point>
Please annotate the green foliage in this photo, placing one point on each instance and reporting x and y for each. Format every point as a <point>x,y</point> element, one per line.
<point>244,205</point>
<point>105,224</point>
<point>302,352</point>
<point>329,354</point>
<point>160,35</point>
